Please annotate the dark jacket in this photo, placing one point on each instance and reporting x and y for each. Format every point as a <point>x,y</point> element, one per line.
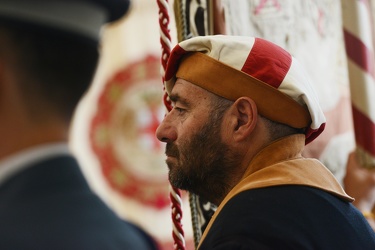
<point>289,217</point>
<point>50,206</point>
<point>286,201</point>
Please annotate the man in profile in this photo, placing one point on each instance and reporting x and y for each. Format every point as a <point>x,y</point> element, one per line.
<point>243,110</point>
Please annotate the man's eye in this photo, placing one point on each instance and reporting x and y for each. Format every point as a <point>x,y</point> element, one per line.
<point>179,110</point>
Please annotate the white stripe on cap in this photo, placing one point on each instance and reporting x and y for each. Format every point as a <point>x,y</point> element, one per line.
<point>297,85</point>
<point>234,55</point>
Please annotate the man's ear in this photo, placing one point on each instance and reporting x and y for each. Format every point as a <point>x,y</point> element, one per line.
<point>245,114</point>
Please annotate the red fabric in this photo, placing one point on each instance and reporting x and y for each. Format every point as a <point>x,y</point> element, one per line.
<point>174,62</point>
<point>311,134</point>
<point>358,52</point>
<point>267,62</point>
<point>364,131</point>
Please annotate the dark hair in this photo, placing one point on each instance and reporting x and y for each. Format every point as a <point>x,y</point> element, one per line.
<point>53,70</point>
<point>219,105</point>
<point>278,130</point>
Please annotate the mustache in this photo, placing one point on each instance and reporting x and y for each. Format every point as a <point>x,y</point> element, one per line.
<point>172,150</point>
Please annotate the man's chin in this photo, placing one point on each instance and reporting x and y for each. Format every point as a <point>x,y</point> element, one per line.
<point>175,179</point>
<point>171,162</point>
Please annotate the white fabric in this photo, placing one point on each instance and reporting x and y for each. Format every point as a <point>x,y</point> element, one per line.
<point>233,51</point>
<point>298,85</point>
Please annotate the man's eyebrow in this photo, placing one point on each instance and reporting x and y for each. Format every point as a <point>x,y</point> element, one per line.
<point>177,98</point>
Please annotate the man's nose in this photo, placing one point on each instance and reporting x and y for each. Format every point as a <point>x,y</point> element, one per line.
<point>166,132</point>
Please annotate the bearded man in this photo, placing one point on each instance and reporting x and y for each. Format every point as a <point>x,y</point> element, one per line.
<point>243,109</point>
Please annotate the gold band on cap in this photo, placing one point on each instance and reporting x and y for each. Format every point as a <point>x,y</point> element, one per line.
<point>227,82</point>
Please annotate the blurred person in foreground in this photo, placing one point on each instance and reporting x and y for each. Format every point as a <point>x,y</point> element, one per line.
<point>243,110</point>
<point>48,57</point>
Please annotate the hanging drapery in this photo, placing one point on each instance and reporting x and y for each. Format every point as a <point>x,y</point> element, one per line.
<point>358,31</point>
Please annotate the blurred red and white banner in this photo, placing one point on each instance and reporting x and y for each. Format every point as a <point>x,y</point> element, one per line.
<point>358,28</point>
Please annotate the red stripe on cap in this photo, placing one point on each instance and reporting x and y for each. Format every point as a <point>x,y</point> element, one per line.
<point>267,62</point>
<point>311,134</point>
<point>174,61</point>
<point>364,131</point>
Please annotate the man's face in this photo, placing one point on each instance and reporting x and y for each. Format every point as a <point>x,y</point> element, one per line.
<point>197,158</point>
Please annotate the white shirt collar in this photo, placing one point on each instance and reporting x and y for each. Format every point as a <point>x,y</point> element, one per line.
<point>15,163</point>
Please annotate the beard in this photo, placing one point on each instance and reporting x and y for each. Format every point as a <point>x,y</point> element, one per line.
<point>203,164</point>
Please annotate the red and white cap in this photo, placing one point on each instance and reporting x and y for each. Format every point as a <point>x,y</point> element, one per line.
<point>236,66</point>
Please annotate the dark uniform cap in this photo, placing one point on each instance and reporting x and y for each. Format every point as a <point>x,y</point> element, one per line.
<point>78,17</point>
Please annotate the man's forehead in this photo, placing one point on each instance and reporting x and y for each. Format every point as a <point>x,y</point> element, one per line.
<point>186,87</point>
<point>185,91</point>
